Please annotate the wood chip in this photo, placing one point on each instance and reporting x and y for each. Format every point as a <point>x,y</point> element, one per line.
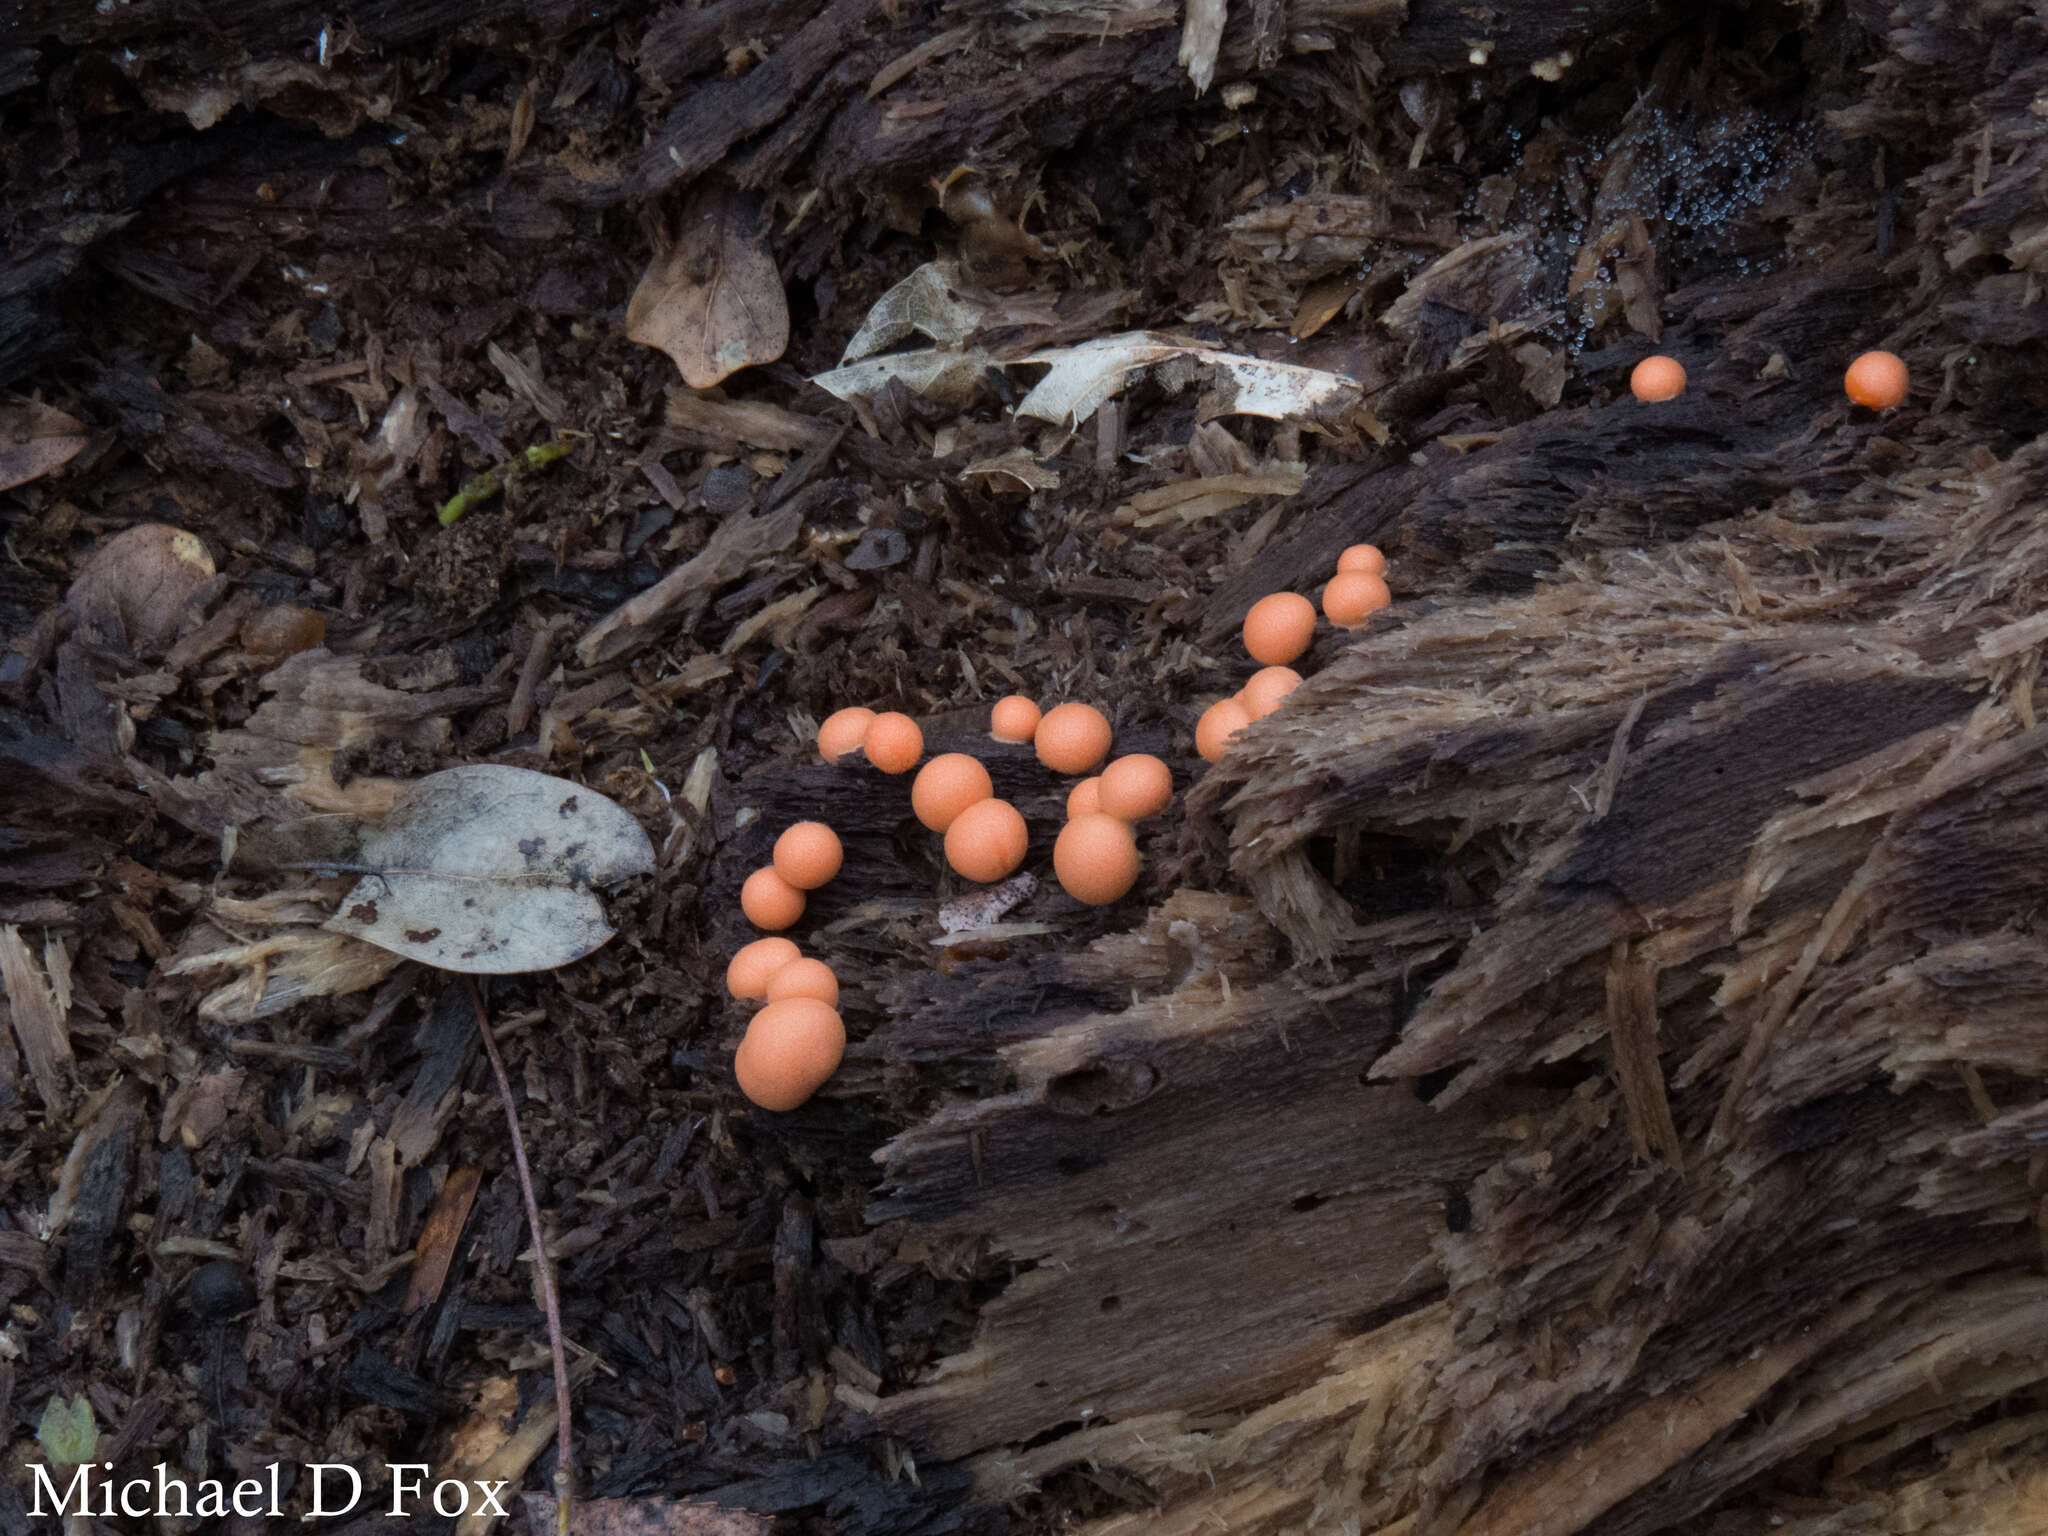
<point>1200,38</point>
<point>733,550</point>
<point>903,65</point>
<point>435,1251</point>
<point>38,1023</point>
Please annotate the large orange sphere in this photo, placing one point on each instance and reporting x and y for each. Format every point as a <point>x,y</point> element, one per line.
<point>842,731</point>
<point>1135,787</point>
<point>1352,597</point>
<point>1657,379</point>
<point>946,786</point>
<point>1014,719</point>
<point>1096,859</point>
<point>790,1050</point>
<point>987,841</point>
<point>1218,724</point>
<point>770,901</point>
<point>1279,628</point>
<point>808,855</point>
<point>1876,379</point>
<point>1072,738</point>
<point>893,742</point>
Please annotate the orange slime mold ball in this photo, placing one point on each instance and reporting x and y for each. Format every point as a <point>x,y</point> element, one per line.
<point>1135,787</point>
<point>1013,719</point>
<point>987,841</point>
<point>1876,379</point>
<point>1218,724</point>
<point>1352,597</point>
<point>1096,859</point>
<point>1363,557</point>
<point>1657,379</point>
<point>1265,688</point>
<point>808,855</point>
<point>1072,738</point>
<point>805,978</point>
<point>789,1052</point>
<point>1085,798</point>
<point>842,732</point>
<point>1279,628</point>
<point>946,786</point>
<point>746,976</point>
<point>770,901</point>
<point>893,743</point>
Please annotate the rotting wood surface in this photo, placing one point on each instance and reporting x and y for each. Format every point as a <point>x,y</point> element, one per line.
<point>1577,1068</point>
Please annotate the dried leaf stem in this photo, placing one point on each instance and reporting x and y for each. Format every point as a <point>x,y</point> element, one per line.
<point>544,1270</point>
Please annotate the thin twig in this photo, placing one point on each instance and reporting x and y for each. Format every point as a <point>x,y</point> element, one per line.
<point>543,1269</point>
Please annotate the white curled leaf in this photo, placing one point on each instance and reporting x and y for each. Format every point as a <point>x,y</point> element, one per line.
<point>927,302</point>
<point>490,869</point>
<point>946,376</point>
<point>1080,378</point>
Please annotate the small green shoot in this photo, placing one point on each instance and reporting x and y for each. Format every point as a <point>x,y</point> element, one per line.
<point>493,481</point>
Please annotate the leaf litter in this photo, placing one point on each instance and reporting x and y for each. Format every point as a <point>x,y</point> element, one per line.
<point>489,870</point>
<point>713,301</point>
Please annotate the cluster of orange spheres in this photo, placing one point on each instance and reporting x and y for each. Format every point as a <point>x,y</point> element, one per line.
<point>1096,855</point>
<point>806,857</point>
<point>1277,632</point>
<point>891,741</point>
<point>794,1044</point>
<point>986,837</point>
<point>1876,379</point>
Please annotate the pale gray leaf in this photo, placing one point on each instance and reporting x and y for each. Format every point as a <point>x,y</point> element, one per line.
<point>490,869</point>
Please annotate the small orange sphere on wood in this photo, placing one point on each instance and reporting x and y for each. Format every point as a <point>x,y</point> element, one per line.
<point>946,786</point>
<point>1085,798</point>
<point>808,855</point>
<point>1876,379</point>
<point>1096,859</point>
<point>1279,628</point>
<point>1656,379</point>
<point>893,743</point>
<point>987,841</point>
<point>1218,724</point>
<point>804,978</point>
<point>842,732</point>
<point>789,1052</point>
<point>1014,719</point>
<point>1072,738</point>
<point>1135,787</point>
<point>1352,597</point>
<point>1265,688</point>
<point>746,975</point>
<point>770,901</point>
<point>1363,557</point>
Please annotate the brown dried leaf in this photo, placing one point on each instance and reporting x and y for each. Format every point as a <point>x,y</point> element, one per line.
<point>1319,306</point>
<point>136,586</point>
<point>34,439</point>
<point>714,301</point>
